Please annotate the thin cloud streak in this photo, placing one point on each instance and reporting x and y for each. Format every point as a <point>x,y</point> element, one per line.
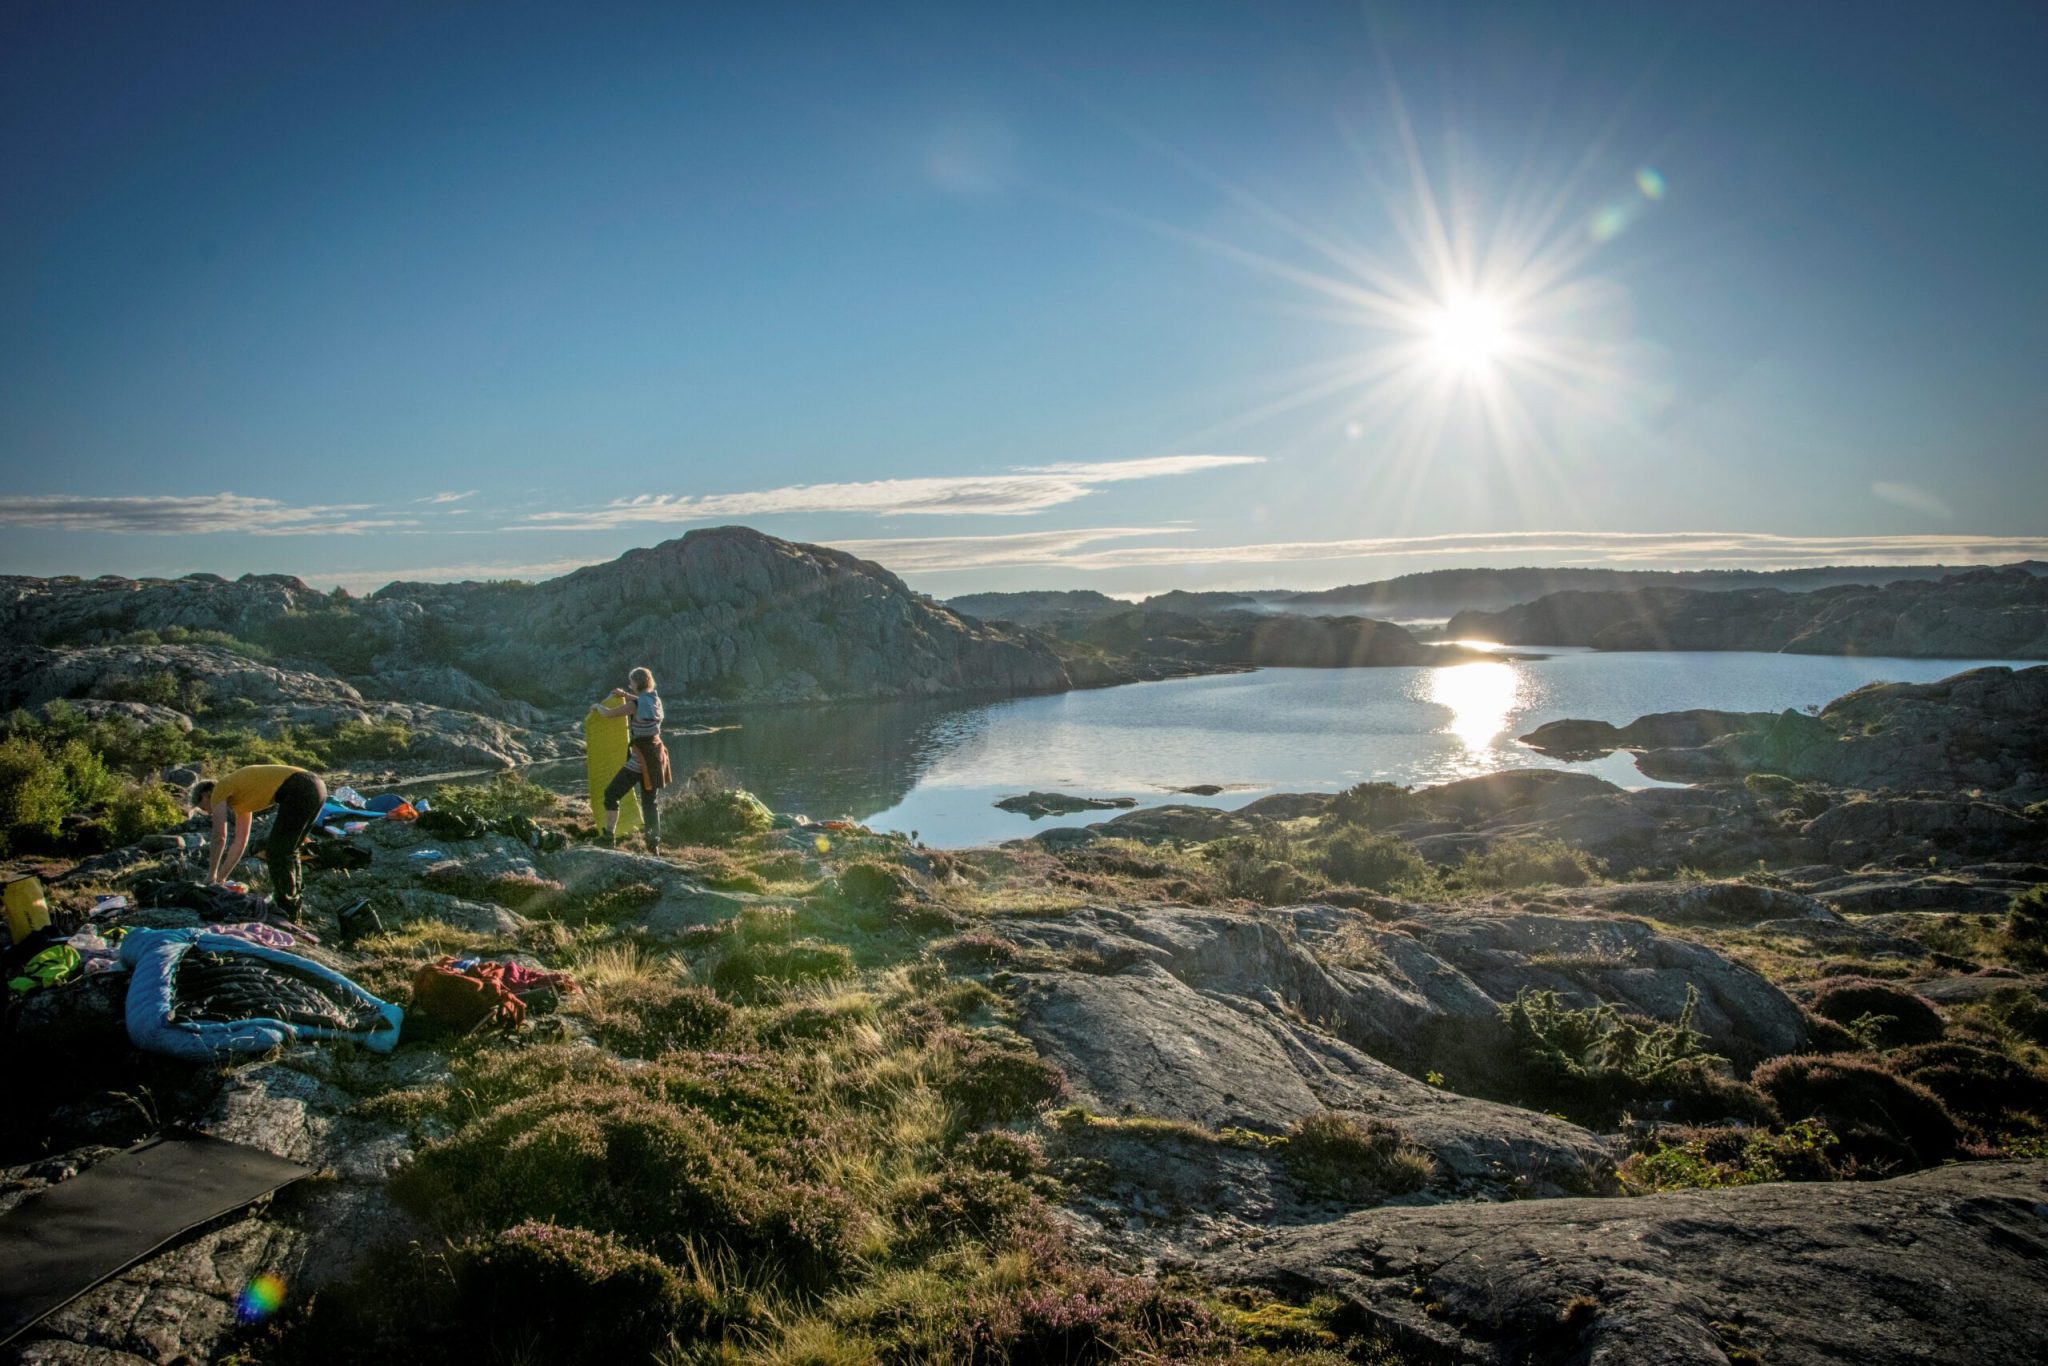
<point>912,554</point>
<point>1016,493</point>
<point>1645,550</point>
<point>199,515</point>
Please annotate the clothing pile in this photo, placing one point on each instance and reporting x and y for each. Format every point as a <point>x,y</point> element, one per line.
<point>466,994</point>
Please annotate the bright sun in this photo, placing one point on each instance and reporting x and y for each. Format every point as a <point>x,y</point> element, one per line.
<point>1468,333</point>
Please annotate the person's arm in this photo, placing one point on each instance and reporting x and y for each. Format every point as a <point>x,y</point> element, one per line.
<point>243,821</point>
<point>219,841</point>
<point>623,705</point>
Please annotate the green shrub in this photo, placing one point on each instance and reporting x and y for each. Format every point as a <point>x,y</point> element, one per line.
<point>1361,858</point>
<point>1595,1063</point>
<point>40,786</point>
<point>1511,864</point>
<point>1881,1117</point>
<point>332,635</point>
<point>704,814</point>
<point>353,741</point>
<point>746,969</point>
<point>505,796</point>
<point>142,808</point>
<point>1714,1158</point>
<point>2026,928</point>
<point>1334,1156</point>
<point>1373,805</point>
<point>1882,1013</point>
<point>1261,868</point>
<point>159,687</point>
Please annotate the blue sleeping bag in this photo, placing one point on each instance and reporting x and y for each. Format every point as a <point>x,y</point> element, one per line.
<point>201,996</point>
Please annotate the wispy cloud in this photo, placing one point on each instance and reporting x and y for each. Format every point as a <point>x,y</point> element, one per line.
<point>1085,549</point>
<point>911,554</point>
<point>1913,498</point>
<point>187,516</point>
<point>438,498</point>
<point>1013,493</point>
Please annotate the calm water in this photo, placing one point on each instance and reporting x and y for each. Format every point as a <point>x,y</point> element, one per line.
<point>937,770</point>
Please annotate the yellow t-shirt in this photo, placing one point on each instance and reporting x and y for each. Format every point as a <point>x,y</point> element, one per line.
<point>252,789</point>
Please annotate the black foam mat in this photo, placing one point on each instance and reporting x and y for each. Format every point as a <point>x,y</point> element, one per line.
<point>59,1243</point>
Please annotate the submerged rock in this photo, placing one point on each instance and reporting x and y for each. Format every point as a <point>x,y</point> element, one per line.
<point>1037,804</point>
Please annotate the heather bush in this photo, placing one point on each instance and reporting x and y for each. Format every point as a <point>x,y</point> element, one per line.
<point>646,1017</point>
<point>1989,1089</point>
<point>990,1075</point>
<point>1880,1117</point>
<point>1882,1013</point>
<point>656,1172</point>
<point>566,1295</point>
<point>1335,1156</point>
<point>747,969</point>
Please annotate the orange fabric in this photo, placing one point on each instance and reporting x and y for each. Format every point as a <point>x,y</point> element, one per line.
<point>456,998</point>
<point>402,812</point>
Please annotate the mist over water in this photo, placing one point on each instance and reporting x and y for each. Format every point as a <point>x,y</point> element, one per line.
<point>938,769</point>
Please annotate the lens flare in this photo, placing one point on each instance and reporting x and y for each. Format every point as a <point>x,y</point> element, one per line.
<point>260,1298</point>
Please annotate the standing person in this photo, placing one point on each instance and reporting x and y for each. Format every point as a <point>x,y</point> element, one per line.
<point>646,769</point>
<point>239,798</point>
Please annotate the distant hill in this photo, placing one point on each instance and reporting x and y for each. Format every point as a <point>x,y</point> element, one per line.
<point>1981,614</point>
<point>1446,592</point>
<point>1049,608</point>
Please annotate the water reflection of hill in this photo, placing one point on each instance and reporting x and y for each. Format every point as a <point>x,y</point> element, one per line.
<point>852,760</point>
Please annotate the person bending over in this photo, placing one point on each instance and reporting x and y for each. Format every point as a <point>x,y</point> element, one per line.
<point>646,770</point>
<point>239,798</point>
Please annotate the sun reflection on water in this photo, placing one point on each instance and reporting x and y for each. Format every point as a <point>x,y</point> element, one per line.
<point>1480,697</point>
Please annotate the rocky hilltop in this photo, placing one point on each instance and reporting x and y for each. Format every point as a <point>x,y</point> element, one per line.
<point>493,673</point>
<point>1983,614</point>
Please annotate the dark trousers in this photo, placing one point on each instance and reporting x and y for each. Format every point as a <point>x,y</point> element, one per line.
<point>299,799</point>
<point>624,781</point>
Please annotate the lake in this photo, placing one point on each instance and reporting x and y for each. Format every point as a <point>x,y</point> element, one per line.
<point>938,769</point>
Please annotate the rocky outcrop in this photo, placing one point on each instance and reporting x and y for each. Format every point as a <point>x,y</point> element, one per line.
<point>1982,614</point>
<point>1983,729</point>
<point>224,687</point>
<point>1258,639</point>
<point>39,611</point>
<point>729,614</point>
<point>1423,994</point>
<point>1037,804</point>
<point>1205,1018</point>
<point>1662,730</point>
<point>1931,1267</point>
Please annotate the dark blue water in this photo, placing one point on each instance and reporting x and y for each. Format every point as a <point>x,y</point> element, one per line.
<point>939,769</point>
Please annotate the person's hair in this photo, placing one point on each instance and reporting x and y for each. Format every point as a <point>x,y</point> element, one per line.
<point>643,679</point>
<point>201,794</point>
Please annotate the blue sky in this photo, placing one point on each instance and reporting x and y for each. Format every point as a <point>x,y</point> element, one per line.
<point>1134,297</point>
